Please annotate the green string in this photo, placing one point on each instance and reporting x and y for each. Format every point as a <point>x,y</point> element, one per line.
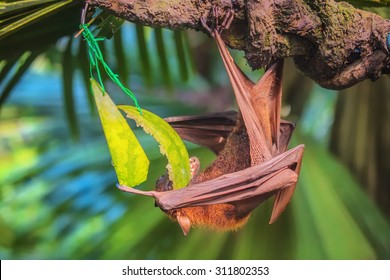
<point>96,56</point>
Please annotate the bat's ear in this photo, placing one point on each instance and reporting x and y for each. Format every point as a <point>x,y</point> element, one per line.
<point>184,223</point>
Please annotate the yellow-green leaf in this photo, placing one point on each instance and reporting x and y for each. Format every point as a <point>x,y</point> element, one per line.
<point>130,161</point>
<point>171,144</point>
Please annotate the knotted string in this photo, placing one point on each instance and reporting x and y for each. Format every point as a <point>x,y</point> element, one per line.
<point>96,56</point>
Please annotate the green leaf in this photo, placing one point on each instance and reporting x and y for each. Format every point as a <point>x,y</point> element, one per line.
<point>129,159</point>
<point>171,144</point>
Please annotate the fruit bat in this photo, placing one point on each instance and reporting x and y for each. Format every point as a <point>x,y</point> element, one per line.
<point>252,163</point>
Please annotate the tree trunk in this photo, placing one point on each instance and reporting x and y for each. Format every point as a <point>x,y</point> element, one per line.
<point>332,42</point>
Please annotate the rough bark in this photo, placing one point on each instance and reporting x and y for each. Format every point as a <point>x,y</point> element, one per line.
<point>331,42</point>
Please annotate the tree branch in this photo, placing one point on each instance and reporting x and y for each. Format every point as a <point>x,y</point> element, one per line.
<point>332,42</point>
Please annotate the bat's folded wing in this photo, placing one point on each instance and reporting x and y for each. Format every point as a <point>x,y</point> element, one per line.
<point>286,129</point>
<point>208,130</point>
<point>263,179</point>
<point>211,130</point>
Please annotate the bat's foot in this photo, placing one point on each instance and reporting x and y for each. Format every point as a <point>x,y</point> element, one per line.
<point>217,26</point>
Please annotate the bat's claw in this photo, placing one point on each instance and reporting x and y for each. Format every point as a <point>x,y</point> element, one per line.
<point>227,20</point>
<point>205,26</point>
<point>216,26</point>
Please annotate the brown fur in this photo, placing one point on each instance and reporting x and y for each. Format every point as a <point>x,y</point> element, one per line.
<point>234,157</point>
<point>216,216</point>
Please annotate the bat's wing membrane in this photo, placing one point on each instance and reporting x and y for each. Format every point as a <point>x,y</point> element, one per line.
<point>211,130</point>
<point>286,130</point>
<point>208,130</point>
<point>266,97</point>
<point>260,148</point>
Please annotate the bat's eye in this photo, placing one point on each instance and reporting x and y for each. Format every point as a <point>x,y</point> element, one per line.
<point>357,51</point>
<point>355,55</point>
<point>388,41</point>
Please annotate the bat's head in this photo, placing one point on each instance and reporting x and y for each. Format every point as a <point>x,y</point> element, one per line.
<point>163,184</point>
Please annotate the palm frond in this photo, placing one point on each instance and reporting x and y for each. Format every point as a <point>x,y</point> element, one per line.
<point>26,14</point>
<point>22,64</point>
<point>180,50</point>
<point>67,78</point>
<point>361,136</point>
<point>144,55</point>
<point>163,59</point>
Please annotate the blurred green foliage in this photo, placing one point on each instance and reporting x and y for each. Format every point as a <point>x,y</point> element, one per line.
<point>58,200</point>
